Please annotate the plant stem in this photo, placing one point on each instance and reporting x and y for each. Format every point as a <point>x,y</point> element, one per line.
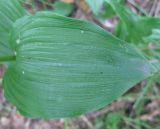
<point>145,90</point>
<point>0,81</point>
<point>7,58</point>
<point>65,123</point>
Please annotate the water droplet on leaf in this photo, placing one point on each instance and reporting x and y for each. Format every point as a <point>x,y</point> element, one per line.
<point>82,32</point>
<point>18,41</point>
<point>15,53</point>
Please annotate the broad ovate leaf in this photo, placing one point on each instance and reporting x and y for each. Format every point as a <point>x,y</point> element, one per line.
<point>10,11</point>
<point>66,67</point>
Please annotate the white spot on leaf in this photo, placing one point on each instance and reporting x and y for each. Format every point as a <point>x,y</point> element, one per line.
<point>82,32</point>
<point>18,41</point>
<point>15,53</point>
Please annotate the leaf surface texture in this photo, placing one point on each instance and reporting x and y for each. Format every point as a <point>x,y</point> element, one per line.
<point>66,67</point>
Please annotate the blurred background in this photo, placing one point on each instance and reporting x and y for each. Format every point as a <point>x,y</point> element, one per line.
<point>138,108</point>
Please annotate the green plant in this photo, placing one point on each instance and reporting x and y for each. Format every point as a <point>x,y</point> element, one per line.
<point>63,67</point>
<point>113,120</point>
<point>136,27</point>
<point>62,8</point>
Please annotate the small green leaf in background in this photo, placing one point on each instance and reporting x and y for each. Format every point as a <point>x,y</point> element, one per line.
<point>107,10</point>
<point>95,5</point>
<point>154,40</point>
<point>154,37</point>
<point>66,67</point>
<point>137,27</point>
<point>62,8</point>
<point>120,31</point>
<point>113,120</point>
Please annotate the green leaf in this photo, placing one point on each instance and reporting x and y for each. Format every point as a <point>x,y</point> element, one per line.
<point>107,10</point>
<point>62,8</point>
<point>137,27</point>
<point>95,5</point>
<point>154,37</point>
<point>113,120</point>
<point>66,67</point>
<point>121,31</point>
<point>10,11</point>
